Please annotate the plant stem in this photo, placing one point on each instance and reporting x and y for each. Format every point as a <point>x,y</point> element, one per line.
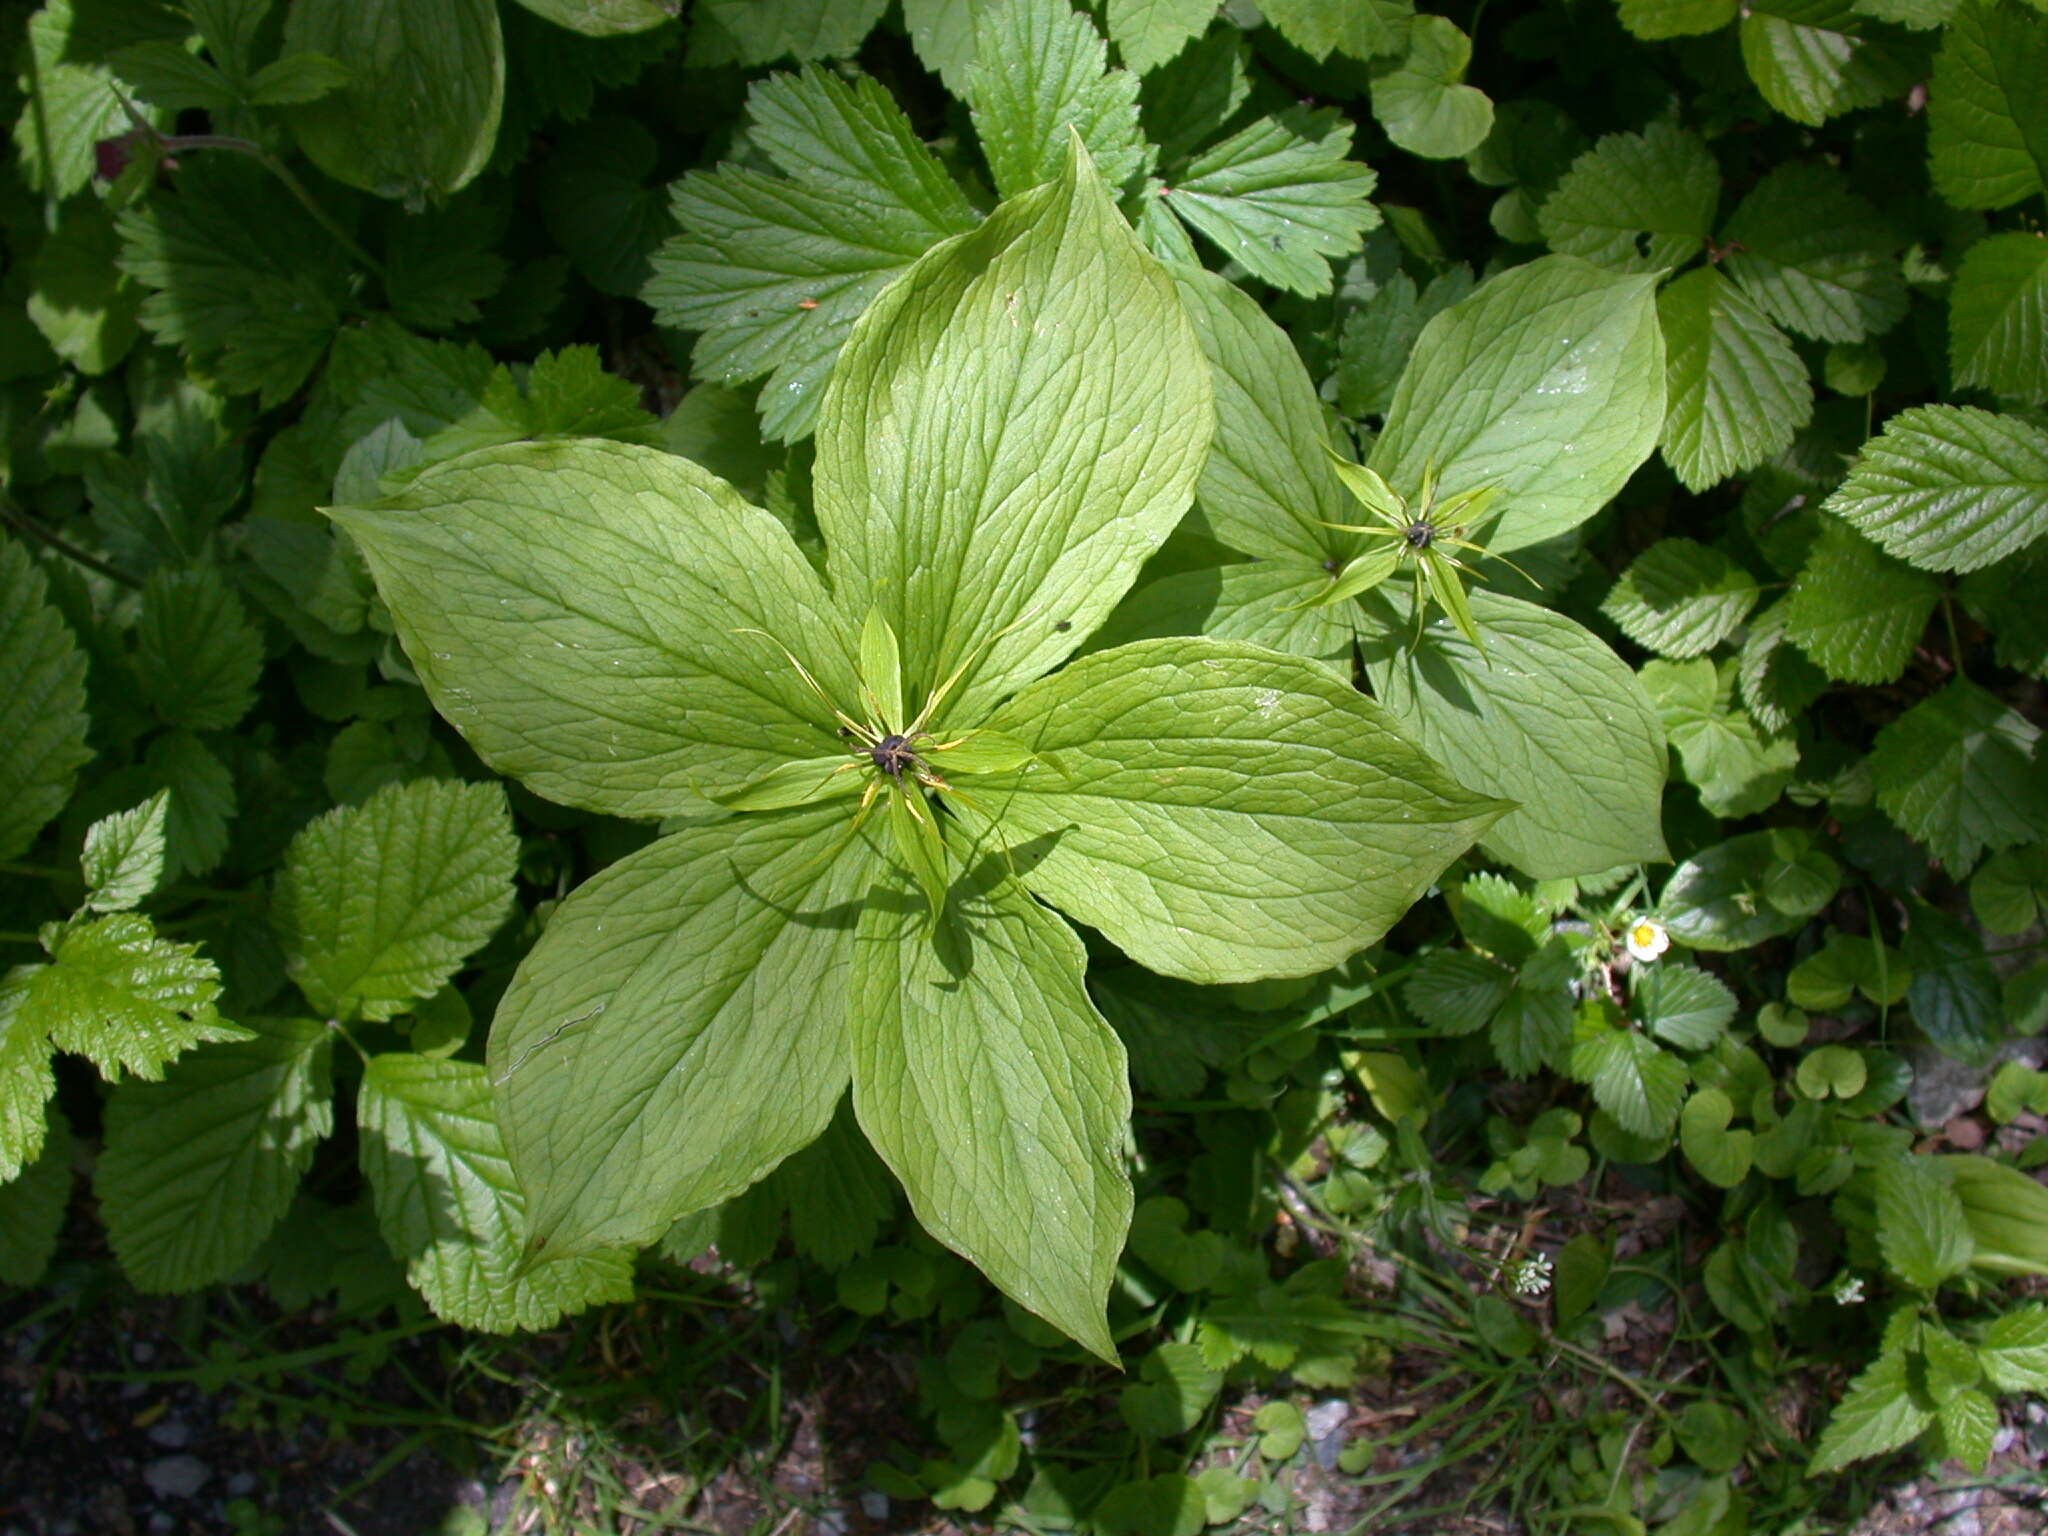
<point>1955,645</point>
<point>21,522</point>
<point>172,143</point>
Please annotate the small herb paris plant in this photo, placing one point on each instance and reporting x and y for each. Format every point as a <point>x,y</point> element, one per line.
<point>1013,428</point>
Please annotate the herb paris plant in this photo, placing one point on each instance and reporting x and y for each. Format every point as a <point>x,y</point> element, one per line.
<point>1014,426</point>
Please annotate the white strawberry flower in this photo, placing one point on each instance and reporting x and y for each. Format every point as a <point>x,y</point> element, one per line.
<point>1647,939</point>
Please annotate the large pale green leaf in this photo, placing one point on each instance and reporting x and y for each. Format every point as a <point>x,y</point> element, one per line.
<point>1987,107</point>
<point>995,1092</point>
<point>1265,601</point>
<point>1547,383</point>
<point>419,115</point>
<point>1997,315</point>
<point>1267,488</point>
<point>1547,716</point>
<point>116,993</point>
<point>1639,202</point>
<point>42,707</point>
<point>1010,432</point>
<point>678,1030</point>
<point>1961,772</point>
<point>26,1077</point>
<point>378,904</point>
<point>1816,59</point>
<point>1423,103</point>
<point>1221,811</point>
<point>774,270</point>
<point>1040,72</point>
<point>196,1169</point>
<point>1815,256</point>
<point>1738,392</point>
<point>1855,610</point>
<point>1949,487</point>
<point>573,609</point>
<point>448,1206</point>
<point>1281,197</point>
<point>32,1206</point>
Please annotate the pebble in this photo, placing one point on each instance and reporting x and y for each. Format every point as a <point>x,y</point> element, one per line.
<point>170,1434</point>
<point>875,1505</point>
<point>1325,1425</point>
<point>177,1477</point>
<point>242,1484</point>
<point>162,1523</point>
<point>142,1351</point>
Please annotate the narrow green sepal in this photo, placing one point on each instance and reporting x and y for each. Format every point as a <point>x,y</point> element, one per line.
<point>1360,574</point>
<point>917,838</point>
<point>1449,593</point>
<point>1377,496</point>
<point>881,670</point>
<point>980,752</point>
<point>802,782</point>
<point>1474,509</point>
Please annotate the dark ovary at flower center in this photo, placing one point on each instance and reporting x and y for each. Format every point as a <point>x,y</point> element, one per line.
<point>893,755</point>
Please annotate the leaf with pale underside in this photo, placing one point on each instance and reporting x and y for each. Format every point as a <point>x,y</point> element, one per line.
<point>575,609</point>
<point>1544,714</point>
<point>1268,602</point>
<point>1268,487</point>
<point>1547,384</point>
<point>679,1028</point>
<point>1226,813</point>
<point>995,1092</point>
<point>991,471</point>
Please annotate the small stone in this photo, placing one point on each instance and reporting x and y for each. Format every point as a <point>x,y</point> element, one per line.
<point>241,1485</point>
<point>170,1434</point>
<point>142,1352</point>
<point>162,1523</point>
<point>875,1505</point>
<point>1965,1135</point>
<point>1325,1425</point>
<point>177,1477</point>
